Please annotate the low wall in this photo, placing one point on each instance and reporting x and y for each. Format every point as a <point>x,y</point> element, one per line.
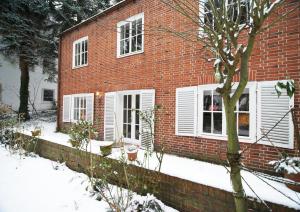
<point>178,193</point>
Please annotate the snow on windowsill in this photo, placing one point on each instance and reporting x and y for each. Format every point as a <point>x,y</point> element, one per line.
<point>193,170</point>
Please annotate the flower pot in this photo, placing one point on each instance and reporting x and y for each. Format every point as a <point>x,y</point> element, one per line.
<point>293,177</point>
<point>36,132</point>
<point>132,156</point>
<point>132,152</point>
<point>106,147</point>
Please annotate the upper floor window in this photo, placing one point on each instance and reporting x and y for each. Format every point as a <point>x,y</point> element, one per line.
<point>80,52</point>
<point>130,35</point>
<point>232,8</point>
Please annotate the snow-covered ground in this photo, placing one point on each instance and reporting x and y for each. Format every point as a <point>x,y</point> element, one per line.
<point>196,171</point>
<point>34,184</point>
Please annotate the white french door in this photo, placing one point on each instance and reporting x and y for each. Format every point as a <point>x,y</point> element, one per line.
<point>131,117</point>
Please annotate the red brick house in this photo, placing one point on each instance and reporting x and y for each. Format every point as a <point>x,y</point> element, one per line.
<point>115,64</point>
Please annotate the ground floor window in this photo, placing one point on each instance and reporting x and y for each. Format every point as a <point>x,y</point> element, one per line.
<point>79,108</point>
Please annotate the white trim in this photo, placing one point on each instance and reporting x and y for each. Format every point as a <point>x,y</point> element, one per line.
<point>73,52</point>
<point>121,23</point>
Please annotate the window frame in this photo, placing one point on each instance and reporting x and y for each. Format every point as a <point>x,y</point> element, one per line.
<point>80,41</point>
<point>43,95</point>
<point>223,136</point>
<point>202,16</point>
<point>130,21</point>
<point>84,95</point>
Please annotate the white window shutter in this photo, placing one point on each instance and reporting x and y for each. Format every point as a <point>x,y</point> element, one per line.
<point>147,107</point>
<point>109,116</point>
<point>186,111</point>
<point>90,107</point>
<point>270,110</point>
<point>67,103</point>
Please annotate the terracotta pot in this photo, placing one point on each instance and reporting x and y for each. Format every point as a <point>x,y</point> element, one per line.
<point>294,177</point>
<point>35,133</point>
<point>132,155</point>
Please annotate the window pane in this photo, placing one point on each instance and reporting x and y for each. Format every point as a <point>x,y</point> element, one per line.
<point>217,123</point>
<point>82,114</point>
<point>127,30</point>
<point>48,95</point>
<point>133,33</point>
<point>126,46</point>
<point>217,103</point>
<point>207,101</point>
<point>137,101</point>
<point>76,114</point>
<point>137,117</point>
<point>85,58</point>
<point>124,116</point>
<point>125,101</point>
<point>244,102</point>
<point>129,101</point>
<point>139,26</point>
<point>86,45</point>
<point>122,32</point>
<point>125,130</point>
<point>129,131</point>
<point>122,49</point>
<point>137,132</point>
<point>207,122</point>
<point>133,44</point>
<point>139,42</point>
<point>244,124</point>
<point>129,116</point>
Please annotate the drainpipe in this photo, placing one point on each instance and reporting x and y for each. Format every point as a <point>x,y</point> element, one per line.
<point>58,86</point>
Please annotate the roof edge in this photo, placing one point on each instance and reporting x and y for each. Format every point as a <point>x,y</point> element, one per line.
<point>96,16</point>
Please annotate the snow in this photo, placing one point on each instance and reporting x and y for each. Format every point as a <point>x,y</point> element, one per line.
<point>34,184</point>
<point>197,171</point>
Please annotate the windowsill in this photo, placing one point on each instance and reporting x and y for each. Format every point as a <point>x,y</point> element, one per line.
<point>77,67</point>
<point>130,54</point>
<point>224,138</point>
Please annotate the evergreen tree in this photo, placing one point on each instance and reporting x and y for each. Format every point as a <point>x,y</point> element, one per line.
<point>29,30</point>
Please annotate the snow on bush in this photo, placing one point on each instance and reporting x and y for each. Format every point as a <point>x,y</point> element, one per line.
<point>290,165</point>
<point>147,203</point>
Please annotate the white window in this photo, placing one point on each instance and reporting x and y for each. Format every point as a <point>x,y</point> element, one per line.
<point>78,107</point>
<point>80,52</point>
<point>48,95</point>
<point>257,111</point>
<point>130,36</point>
<point>212,119</point>
<point>232,11</point>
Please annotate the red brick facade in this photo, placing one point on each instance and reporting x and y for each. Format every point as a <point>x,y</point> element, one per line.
<point>168,63</point>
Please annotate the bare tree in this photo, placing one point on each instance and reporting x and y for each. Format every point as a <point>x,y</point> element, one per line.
<point>228,29</point>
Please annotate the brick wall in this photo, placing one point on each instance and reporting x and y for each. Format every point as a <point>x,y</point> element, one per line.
<point>183,195</point>
<point>169,62</point>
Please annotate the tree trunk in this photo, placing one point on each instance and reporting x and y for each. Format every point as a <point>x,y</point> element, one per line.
<point>233,157</point>
<point>24,88</point>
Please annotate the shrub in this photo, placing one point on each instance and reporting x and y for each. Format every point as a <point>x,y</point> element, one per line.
<point>80,134</point>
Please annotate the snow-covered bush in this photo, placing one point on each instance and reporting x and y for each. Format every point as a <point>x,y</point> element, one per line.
<point>80,134</point>
<point>290,165</point>
<point>145,204</point>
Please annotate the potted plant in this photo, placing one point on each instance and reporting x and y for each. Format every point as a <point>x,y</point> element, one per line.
<point>36,132</point>
<point>132,152</point>
<point>290,166</point>
<point>106,147</point>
